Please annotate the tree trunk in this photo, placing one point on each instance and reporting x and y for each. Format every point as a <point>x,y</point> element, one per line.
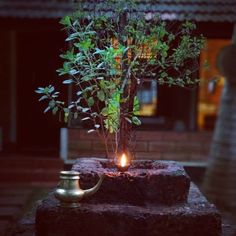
<point>125,126</point>
<point>220,179</point>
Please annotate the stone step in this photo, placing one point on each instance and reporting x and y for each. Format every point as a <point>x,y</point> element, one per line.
<point>28,175</point>
<point>5,190</point>
<point>33,163</point>
<point>9,212</point>
<point>16,201</point>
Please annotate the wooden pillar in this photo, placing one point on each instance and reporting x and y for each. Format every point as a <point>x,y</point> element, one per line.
<point>7,83</point>
<point>13,86</point>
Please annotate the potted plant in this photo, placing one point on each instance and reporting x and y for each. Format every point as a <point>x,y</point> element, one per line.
<point>109,57</point>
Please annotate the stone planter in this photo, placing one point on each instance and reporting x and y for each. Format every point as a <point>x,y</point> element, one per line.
<point>152,198</point>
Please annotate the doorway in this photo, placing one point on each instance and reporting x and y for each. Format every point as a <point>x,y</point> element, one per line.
<point>37,61</point>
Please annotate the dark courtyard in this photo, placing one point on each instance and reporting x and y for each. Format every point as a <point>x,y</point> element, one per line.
<point>170,109</point>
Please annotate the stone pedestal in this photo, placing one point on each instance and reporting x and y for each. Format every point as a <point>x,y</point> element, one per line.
<point>132,203</point>
<point>157,182</point>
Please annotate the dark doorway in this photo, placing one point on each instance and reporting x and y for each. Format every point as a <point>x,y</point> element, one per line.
<point>37,61</point>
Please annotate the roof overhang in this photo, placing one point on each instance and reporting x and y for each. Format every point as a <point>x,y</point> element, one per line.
<point>196,10</point>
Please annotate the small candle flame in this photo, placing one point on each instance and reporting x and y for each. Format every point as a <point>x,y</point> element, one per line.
<point>123,160</point>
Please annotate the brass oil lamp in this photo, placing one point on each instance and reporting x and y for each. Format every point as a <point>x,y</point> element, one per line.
<point>69,192</point>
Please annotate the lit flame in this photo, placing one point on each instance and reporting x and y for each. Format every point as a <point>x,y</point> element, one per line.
<point>123,160</point>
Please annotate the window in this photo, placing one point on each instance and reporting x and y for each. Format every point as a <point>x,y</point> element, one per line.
<point>147,96</point>
<point>211,86</point>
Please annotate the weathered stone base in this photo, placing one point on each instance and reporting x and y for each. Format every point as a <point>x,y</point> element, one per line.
<point>156,182</point>
<point>195,218</point>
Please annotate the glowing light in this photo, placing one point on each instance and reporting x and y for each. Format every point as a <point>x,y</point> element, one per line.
<point>123,160</point>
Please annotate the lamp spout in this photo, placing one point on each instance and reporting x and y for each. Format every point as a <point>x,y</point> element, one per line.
<point>91,191</point>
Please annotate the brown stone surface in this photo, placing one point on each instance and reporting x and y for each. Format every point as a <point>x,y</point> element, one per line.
<point>159,182</point>
<point>197,217</point>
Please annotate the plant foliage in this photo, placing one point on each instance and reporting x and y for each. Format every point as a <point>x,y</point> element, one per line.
<point>108,59</point>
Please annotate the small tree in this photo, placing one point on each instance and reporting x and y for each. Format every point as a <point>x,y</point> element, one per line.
<point>108,59</point>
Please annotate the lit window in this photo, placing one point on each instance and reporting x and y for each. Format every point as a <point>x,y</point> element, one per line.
<point>211,86</point>
<point>147,96</point>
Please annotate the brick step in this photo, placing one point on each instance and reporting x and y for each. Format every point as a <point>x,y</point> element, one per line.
<point>31,163</point>
<point>29,175</point>
<point>14,201</point>
<point>9,213</point>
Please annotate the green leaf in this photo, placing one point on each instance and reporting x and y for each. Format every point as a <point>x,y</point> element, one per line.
<point>52,104</point>
<point>73,36</point>
<point>94,114</point>
<point>71,106</point>
<point>69,55</point>
<point>128,119</point>
<point>85,109</point>
<point>68,81</point>
<point>91,130</point>
<point>51,88</point>
<point>54,110</point>
<point>43,98</point>
<point>136,120</point>
<point>73,72</point>
<point>39,90</point>
<point>90,101</point>
<point>100,65</point>
<point>84,45</point>
<point>47,109</point>
<point>104,111</point>
<point>66,110</point>
<point>79,93</point>
<point>66,21</point>
<point>101,95</point>
<point>86,118</point>
<point>136,106</point>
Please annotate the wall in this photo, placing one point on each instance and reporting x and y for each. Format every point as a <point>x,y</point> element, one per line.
<point>165,145</point>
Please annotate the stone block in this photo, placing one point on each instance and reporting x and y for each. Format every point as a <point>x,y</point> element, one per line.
<point>158,182</point>
<point>196,217</point>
